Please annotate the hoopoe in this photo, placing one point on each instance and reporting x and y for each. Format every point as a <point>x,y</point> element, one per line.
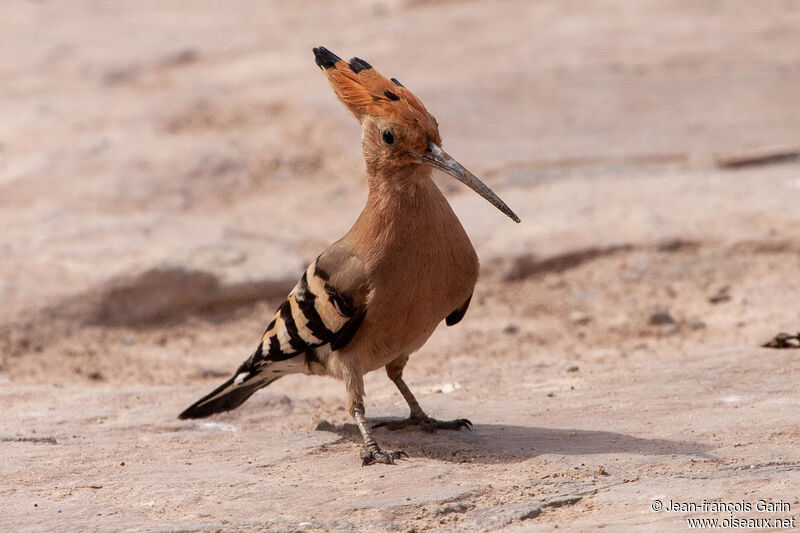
<point>376,295</point>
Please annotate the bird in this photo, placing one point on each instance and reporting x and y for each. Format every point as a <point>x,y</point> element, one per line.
<point>375,296</point>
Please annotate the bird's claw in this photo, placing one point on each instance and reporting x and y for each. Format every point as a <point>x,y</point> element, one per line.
<point>425,423</point>
<point>373,454</point>
<point>456,424</point>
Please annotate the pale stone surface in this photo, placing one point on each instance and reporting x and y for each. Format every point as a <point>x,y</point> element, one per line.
<point>168,169</point>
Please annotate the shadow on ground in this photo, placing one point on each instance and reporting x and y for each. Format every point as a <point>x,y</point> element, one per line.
<point>498,443</point>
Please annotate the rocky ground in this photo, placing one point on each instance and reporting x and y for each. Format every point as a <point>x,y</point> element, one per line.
<point>168,168</point>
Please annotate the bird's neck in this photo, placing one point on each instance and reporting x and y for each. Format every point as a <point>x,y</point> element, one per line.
<point>404,197</point>
<point>398,184</point>
<point>403,209</point>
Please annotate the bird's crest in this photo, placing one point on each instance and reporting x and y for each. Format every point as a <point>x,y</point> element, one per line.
<point>365,92</point>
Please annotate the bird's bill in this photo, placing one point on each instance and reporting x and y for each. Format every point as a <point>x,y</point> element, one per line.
<point>438,158</point>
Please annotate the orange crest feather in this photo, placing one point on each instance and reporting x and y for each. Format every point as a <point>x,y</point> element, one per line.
<point>365,92</point>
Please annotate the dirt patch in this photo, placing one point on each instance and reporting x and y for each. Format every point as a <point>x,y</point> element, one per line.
<point>162,297</point>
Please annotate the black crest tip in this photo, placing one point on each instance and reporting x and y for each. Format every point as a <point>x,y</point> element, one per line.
<point>357,65</point>
<point>325,58</point>
<point>396,82</point>
<point>391,96</point>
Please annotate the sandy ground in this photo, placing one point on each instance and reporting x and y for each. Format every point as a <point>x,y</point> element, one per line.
<point>168,168</point>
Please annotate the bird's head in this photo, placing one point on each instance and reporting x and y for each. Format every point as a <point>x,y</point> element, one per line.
<point>398,133</point>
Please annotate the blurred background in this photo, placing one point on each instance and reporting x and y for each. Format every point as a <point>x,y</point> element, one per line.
<point>161,161</point>
<point>168,169</point>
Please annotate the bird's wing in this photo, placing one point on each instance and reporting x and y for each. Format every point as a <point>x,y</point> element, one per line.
<point>456,316</point>
<point>324,309</point>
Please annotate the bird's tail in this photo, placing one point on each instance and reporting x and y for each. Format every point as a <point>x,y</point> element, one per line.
<point>243,384</point>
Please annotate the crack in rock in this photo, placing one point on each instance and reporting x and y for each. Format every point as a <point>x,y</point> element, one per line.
<point>38,440</point>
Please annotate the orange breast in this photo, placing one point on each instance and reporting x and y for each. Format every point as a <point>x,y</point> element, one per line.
<point>421,267</point>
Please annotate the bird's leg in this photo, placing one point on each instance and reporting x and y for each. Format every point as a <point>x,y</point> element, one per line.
<point>372,453</point>
<point>417,416</point>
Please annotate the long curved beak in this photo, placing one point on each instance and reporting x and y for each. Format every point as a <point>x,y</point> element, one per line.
<point>438,158</point>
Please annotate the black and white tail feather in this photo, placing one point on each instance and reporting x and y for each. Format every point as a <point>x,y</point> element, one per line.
<point>314,320</point>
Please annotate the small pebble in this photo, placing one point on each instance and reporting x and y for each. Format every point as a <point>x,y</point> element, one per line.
<point>511,329</point>
<point>580,318</point>
<point>720,296</point>
<point>325,426</point>
<point>660,318</point>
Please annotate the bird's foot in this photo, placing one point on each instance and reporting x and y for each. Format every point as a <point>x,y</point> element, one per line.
<point>425,423</point>
<point>372,453</point>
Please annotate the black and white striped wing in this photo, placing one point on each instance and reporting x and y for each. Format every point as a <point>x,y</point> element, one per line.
<point>314,314</point>
<point>323,312</point>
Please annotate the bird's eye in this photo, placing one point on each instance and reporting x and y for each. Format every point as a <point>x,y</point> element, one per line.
<point>388,138</point>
